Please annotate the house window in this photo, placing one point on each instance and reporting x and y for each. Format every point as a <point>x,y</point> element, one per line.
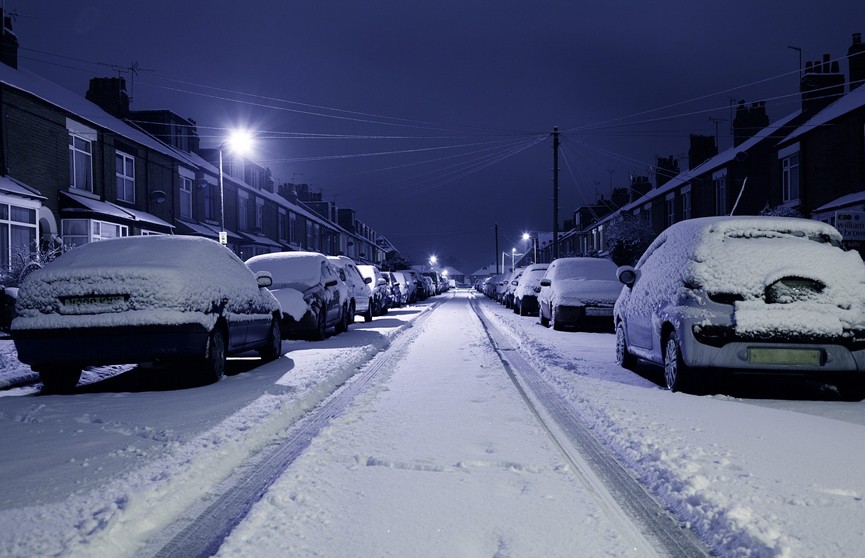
<point>283,224</point>
<point>720,183</point>
<point>124,168</point>
<point>17,233</point>
<point>76,232</point>
<point>790,178</point>
<point>80,163</point>
<point>647,212</point>
<point>292,228</point>
<point>686,203</point>
<point>185,197</point>
<point>259,214</point>
<point>211,202</point>
<point>243,210</point>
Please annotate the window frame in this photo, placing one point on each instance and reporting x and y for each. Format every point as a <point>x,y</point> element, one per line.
<point>124,182</point>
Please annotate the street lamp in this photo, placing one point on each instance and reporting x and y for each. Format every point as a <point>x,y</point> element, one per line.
<point>527,237</point>
<point>238,141</point>
<point>432,261</point>
<point>513,253</point>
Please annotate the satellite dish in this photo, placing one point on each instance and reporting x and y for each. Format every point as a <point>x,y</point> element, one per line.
<point>741,156</point>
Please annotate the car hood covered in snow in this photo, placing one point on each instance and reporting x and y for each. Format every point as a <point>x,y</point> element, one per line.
<point>140,281</point>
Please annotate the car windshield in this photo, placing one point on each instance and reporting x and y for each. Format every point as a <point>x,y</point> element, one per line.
<point>587,269</point>
<point>290,269</point>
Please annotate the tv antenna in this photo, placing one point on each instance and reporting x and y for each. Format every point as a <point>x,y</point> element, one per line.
<point>132,70</point>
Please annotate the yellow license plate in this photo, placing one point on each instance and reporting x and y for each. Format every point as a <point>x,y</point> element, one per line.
<point>803,357</point>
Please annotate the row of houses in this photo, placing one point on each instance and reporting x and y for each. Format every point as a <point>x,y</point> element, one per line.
<point>77,169</point>
<point>810,162</point>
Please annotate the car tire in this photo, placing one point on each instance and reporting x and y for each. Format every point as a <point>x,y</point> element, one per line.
<point>211,367</point>
<point>544,320</point>
<point>623,358</point>
<point>677,375</point>
<point>342,324</point>
<point>320,331</point>
<point>59,379</point>
<point>554,319</point>
<point>273,347</point>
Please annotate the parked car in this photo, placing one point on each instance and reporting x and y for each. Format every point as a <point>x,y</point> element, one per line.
<point>428,285</point>
<point>309,291</point>
<point>745,294</point>
<point>358,292</point>
<point>395,289</point>
<point>578,292</point>
<point>143,299</point>
<point>378,287</point>
<point>407,286</point>
<point>528,287</point>
<point>513,280</point>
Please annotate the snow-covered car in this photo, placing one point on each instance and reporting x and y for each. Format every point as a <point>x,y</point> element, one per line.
<point>143,299</point>
<point>407,286</point>
<point>378,287</point>
<point>527,289</point>
<point>310,293</point>
<point>578,292</point>
<point>396,294</point>
<point>358,292</point>
<point>513,281</point>
<point>745,294</point>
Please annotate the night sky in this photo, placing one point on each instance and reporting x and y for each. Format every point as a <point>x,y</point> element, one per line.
<point>433,119</point>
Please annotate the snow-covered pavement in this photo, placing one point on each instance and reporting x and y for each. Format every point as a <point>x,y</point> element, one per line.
<point>442,458</point>
<point>437,455</point>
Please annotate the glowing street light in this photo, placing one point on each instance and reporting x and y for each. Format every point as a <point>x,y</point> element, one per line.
<point>240,142</point>
<point>527,237</point>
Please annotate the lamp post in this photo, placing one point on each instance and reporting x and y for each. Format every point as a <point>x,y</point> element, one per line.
<point>527,237</point>
<point>238,141</point>
<point>513,253</point>
<point>432,261</point>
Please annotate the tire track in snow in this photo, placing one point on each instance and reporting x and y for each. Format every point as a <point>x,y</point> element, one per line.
<point>637,515</point>
<point>206,526</point>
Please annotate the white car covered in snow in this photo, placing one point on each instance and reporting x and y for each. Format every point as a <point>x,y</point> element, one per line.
<point>578,292</point>
<point>143,299</point>
<point>527,289</point>
<point>747,294</point>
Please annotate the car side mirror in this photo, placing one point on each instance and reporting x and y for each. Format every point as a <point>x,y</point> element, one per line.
<point>514,283</point>
<point>367,280</point>
<point>627,275</point>
<point>264,279</point>
<point>381,281</point>
<point>546,282</point>
<point>536,289</point>
<point>332,283</point>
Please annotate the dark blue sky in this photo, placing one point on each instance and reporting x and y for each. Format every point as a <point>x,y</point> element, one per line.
<point>437,114</point>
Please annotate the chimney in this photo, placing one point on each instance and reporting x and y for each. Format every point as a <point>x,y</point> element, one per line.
<point>667,168</point>
<point>822,84</point>
<point>702,149</point>
<point>110,94</point>
<point>856,61</point>
<point>8,43</point>
<point>640,186</point>
<point>749,121</point>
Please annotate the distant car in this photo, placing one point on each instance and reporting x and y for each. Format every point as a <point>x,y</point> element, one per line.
<point>513,280</point>
<point>579,292</point>
<point>379,289</point>
<point>395,289</point>
<point>407,286</point>
<point>752,295</point>
<point>527,289</point>
<point>358,292</point>
<point>143,299</point>
<point>310,293</point>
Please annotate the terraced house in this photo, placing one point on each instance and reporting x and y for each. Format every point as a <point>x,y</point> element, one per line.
<point>77,169</point>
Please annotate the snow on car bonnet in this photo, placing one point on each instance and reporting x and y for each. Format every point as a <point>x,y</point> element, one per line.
<point>746,256</point>
<point>164,279</point>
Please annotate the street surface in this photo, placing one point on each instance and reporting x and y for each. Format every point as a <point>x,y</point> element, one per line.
<point>449,428</point>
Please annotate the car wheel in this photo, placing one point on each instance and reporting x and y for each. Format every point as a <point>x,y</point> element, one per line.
<point>342,325</point>
<point>623,357</point>
<point>678,375</point>
<point>273,347</point>
<point>59,380</point>
<point>320,331</point>
<point>554,319</point>
<point>544,320</point>
<point>211,367</point>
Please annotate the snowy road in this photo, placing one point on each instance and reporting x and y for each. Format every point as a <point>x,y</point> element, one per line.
<point>437,452</point>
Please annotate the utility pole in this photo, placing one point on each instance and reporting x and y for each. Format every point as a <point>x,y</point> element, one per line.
<point>497,249</point>
<point>555,192</point>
